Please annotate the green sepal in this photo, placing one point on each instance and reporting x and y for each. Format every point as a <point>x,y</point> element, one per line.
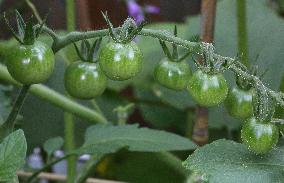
<point>11,29</point>
<point>127,32</point>
<point>135,31</point>
<point>127,28</point>
<point>88,51</point>
<point>166,50</point>
<point>29,37</point>
<point>21,25</point>
<point>195,38</point>
<point>27,32</point>
<point>78,52</point>
<point>175,50</point>
<point>85,48</point>
<point>112,33</point>
<point>95,49</point>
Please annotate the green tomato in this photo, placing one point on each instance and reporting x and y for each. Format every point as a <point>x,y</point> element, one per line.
<point>84,80</point>
<point>239,102</point>
<point>259,137</point>
<point>120,61</point>
<point>30,64</point>
<point>173,75</point>
<point>207,89</point>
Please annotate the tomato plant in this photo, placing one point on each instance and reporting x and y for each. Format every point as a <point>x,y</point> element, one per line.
<point>116,54</point>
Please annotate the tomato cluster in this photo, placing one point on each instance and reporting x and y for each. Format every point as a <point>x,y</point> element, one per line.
<point>86,79</point>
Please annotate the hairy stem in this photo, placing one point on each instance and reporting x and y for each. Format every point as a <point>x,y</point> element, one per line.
<point>62,41</point>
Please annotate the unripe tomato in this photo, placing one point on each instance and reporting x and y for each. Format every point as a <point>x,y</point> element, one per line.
<point>173,75</point>
<point>207,89</point>
<point>239,102</point>
<point>84,80</point>
<point>30,64</point>
<point>259,137</point>
<point>120,61</point>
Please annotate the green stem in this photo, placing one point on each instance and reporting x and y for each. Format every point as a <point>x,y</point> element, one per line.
<point>70,146</point>
<point>46,167</point>
<point>56,99</point>
<point>68,117</point>
<point>9,124</point>
<point>242,31</point>
<point>70,15</point>
<point>96,106</point>
<point>62,41</point>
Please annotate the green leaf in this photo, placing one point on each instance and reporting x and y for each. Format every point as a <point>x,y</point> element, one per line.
<point>141,167</point>
<point>53,144</point>
<point>225,161</point>
<point>104,139</point>
<point>162,116</point>
<point>12,155</point>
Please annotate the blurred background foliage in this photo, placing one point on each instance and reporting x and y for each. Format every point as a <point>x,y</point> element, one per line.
<point>156,106</point>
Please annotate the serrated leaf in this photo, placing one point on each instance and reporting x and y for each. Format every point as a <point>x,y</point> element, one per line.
<point>21,25</point>
<point>53,144</point>
<point>104,139</point>
<point>225,161</point>
<point>12,155</point>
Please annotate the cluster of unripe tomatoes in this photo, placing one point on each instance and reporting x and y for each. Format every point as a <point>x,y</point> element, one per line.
<point>33,63</point>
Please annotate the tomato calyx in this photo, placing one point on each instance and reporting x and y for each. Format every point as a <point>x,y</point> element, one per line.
<point>210,64</point>
<point>28,32</point>
<point>174,57</point>
<point>126,33</point>
<point>88,51</point>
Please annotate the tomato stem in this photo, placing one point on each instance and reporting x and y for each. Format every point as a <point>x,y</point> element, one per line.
<point>69,128</point>
<point>9,124</point>
<point>242,31</point>
<point>46,167</point>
